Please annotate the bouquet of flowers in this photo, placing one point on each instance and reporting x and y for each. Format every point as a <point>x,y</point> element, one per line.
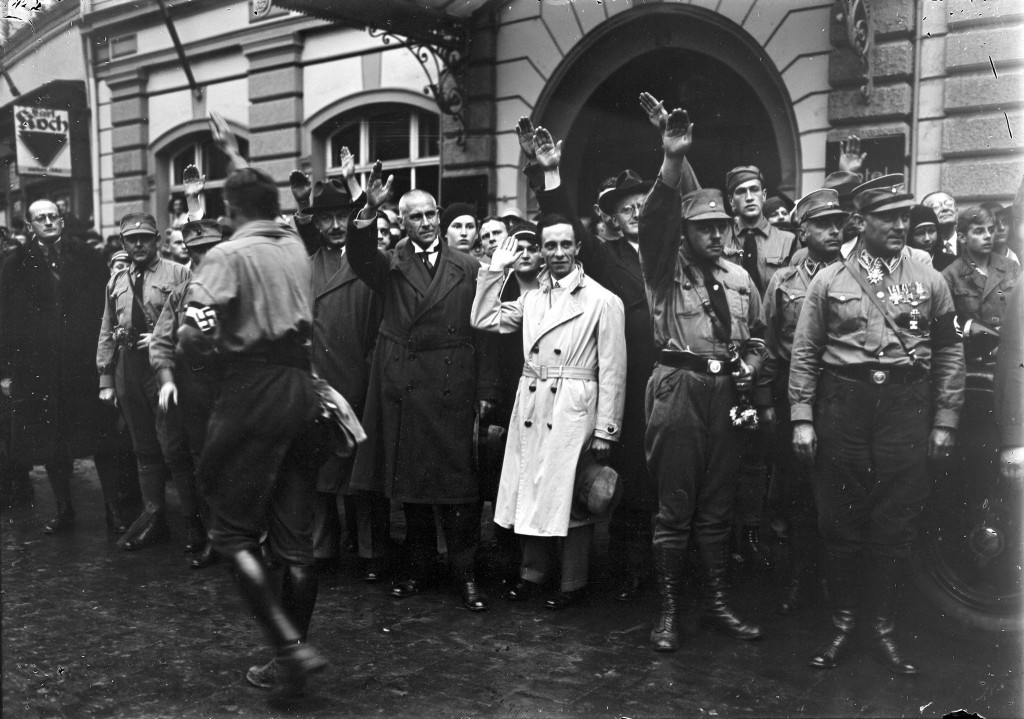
<point>743,415</point>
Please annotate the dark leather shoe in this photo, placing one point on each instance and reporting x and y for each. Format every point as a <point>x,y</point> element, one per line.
<point>828,656</point>
<point>154,530</point>
<point>522,590</point>
<point>116,523</point>
<point>204,557</point>
<point>473,599</point>
<point>373,571</point>
<point>629,590</point>
<point>196,535</point>
<point>564,600</point>
<point>63,522</point>
<point>884,648</point>
<point>405,588</point>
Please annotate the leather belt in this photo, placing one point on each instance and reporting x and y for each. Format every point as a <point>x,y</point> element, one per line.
<point>879,375</point>
<point>543,372</point>
<point>694,362</point>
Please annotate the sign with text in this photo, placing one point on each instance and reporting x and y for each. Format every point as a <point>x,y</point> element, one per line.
<point>44,141</point>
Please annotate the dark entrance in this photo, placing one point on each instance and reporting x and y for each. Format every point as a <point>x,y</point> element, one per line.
<point>611,132</point>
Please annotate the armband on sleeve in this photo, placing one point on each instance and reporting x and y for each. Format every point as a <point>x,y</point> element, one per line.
<point>945,331</point>
<point>201,317</point>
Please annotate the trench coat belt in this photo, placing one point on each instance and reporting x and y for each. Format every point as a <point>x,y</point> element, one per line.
<point>426,342</point>
<point>544,372</point>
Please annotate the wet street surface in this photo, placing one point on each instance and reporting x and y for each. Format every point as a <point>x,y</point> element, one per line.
<point>90,630</point>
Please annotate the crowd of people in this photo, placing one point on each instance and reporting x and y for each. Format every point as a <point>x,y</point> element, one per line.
<point>690,365</point>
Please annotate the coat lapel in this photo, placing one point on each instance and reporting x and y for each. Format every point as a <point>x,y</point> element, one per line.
<point>995,276</point>
<point>343,276</point>
<point>446,278</point>
<point>412,268</point>
<point>567,309</point>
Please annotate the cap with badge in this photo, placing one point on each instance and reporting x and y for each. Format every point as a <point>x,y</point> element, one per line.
<point>882,194</point>
<point>738,175</point>
<point>626,184</point>
<point>201,233</point>
<point>138,223</point>
<point>705,204</point>
<point>820,203</point>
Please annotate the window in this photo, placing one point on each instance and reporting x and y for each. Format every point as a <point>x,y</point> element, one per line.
<point>405,139</point>
<point>212,163</point>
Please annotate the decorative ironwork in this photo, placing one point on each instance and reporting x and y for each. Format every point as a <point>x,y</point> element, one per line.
<point>855,35</point>
<point>449,66</point>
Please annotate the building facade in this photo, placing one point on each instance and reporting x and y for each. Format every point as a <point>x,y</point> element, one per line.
<point>434,89</point>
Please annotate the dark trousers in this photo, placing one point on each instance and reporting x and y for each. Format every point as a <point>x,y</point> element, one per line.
<point>461,526</point>
<point>158,437</point>
<point>631,525</point>
<point>693,455</point>
<point>791,495</point>
<point>870,473</point>
<point>258,469</point>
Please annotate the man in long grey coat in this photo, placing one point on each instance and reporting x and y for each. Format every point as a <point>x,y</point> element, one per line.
<point>428,380</point>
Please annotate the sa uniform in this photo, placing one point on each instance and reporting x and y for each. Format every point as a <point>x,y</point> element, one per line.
<point>876,364</point>
<point>705,316</point>
<point>134,299</point>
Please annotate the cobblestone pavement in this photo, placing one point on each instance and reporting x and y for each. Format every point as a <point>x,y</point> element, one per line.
<point>93,631</point>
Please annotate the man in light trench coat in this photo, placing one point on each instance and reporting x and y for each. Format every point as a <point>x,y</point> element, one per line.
<point>570,398</point>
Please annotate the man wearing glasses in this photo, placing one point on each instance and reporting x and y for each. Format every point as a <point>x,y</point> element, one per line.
<point>944,207</point>
<point>52,294</point>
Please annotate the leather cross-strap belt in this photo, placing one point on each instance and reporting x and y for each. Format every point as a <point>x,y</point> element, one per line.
<point>544,372</point>
<point>878,374</point>
<point>695,363</point>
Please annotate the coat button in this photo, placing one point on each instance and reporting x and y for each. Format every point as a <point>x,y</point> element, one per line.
<point>528,423</point>
<point>882,353</point>
<point>554,388</point>
<point>549,425</point>
<point>558,351</point>
<point>611,429</point>
<point>535,349</point>
<point>533,388</point>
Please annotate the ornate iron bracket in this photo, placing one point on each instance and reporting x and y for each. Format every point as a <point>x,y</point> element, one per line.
<point>449,65</point>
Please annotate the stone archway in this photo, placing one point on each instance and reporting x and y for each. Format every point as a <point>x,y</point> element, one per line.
<point>691,58</point>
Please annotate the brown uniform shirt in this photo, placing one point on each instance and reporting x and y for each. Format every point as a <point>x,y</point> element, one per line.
<point>258,283</point>
<point>840,326</point>
<point>774,247</point>
<point>159,280</point>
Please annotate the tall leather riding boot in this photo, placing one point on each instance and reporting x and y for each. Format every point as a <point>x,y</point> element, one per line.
<point>716,611</point>
<point>298,593</point>
<point>669,566</point>
<point>294,659</point>
<point>59,472</point>
<point>197,539</point>
<point>842,576</point>
<point>884,596</point>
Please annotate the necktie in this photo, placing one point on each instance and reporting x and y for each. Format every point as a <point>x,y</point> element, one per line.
<point>139,321</point>
<point>719,303</point>
<point>427,263</point>
<point>750,256</point>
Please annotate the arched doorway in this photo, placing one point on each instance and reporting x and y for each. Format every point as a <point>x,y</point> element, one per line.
<point>688,57</point>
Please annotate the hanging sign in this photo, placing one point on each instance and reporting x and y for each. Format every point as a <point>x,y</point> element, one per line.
<point>44,141</point>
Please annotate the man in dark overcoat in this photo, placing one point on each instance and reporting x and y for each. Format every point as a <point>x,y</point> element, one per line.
<point>51,302</point>
<point>427,382</point>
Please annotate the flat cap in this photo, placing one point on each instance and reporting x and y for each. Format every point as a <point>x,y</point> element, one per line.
<point>201,233</point>
<point>882,194</point>
<point>705,204</point>
<point>738,175</point>
<point>138,223</point>
<point>820,203</point>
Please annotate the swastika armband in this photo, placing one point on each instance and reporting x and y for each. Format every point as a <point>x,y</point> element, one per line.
<point>201,317</point>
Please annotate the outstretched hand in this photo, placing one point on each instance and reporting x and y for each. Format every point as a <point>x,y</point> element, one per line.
<point>378,191</point>
<point>525,132</point>
<point>654,109</point>
<point>506,254</point>
<point>193,181</point>
<point>677,133</point>
<point>347,164</point>
<point>224,138</point>
<point>547,151</point>
<point>300,186</point>
<point>851,158</point>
